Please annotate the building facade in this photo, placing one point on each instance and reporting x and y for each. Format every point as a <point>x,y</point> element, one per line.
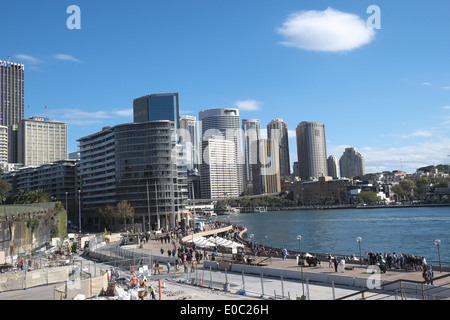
<point>155,107</point>
<point>311,150</point>
<point>12,96</point>
<point>332,167</point>
<point>188,135</point>
<point>352,163</point>
<point>218,179</point>
<point>277,129</point>
<point>266,173</point>
<point>3,145</point>
<point>12,99</point>
<point>139,163</point>
<point>251,133</point>
<point>40,141</point>
<point>223,122</point>
<point>324,191</point>
<point>57,179</point>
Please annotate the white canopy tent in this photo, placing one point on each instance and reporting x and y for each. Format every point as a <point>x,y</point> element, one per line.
<point>225,242</point>
<point>202,242</point>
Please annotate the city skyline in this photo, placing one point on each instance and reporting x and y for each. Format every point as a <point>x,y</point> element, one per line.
<point>387,93</point>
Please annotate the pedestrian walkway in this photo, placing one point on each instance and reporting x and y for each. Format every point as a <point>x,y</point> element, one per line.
<point>353,270</point>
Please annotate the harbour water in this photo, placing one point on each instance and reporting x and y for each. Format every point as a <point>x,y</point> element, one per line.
<point>400,230</point>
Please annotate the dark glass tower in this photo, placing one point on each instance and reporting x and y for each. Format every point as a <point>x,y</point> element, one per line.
<point>11,93</point>
<point>156,107</point>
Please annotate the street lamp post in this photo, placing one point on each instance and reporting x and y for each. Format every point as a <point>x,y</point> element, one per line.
<point>67,212</point>
<point>438,243</point>
<point>359,239</point>
<point>299,238</point>
<point>79,210</point>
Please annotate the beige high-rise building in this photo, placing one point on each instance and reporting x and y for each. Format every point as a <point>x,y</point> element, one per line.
<point>266,174</point>
<point>40,141</point>
<point>277,129</point>
<point>352,163</point>
<point>311,150</point>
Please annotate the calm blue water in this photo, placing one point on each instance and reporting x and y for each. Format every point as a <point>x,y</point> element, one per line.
<point>400,230</point>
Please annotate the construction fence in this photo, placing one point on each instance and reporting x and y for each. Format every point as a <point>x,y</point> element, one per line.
<point>23,280</point>
<point>86,288</point>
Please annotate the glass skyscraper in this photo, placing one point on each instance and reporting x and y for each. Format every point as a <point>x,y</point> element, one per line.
<point>137,162</point>
<point>156,107</point>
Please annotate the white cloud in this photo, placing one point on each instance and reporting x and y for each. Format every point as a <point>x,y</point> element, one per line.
<point>66,57</point>
<point>418,133</point>
<point>28,59</point>
<point>426,84</point>
<point>248,105</point>
<point>82,117</point>
<point>446,107</point>
<point>446,88</point>
<point>328,30</point>
<point>124,113</point>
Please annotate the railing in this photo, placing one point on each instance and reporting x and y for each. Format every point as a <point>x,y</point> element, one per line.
<point>408,289</point>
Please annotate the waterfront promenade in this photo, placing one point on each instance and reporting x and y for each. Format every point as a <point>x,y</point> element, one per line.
<point>353,271</point>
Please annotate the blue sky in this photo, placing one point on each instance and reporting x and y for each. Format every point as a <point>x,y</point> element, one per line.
<point>384,91</point>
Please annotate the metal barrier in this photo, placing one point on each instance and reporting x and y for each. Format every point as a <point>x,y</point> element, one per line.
<point>408,289</point>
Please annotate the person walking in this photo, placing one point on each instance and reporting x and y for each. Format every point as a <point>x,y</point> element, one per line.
<point>342,264</point>
<point>430,275</point>
<point>284,253</point>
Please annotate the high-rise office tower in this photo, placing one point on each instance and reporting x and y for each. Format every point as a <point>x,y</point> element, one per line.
<point>352,163</point>
<point>266,174</point>
<point>188,135</point>
<point>40,141</point>
<point>155,107</point>
<point>277,129</point>
<point>223,122</point>
<point>311,150</point>
<point>11,92</point>
<point>251,132</point>
<point>218,178</point>
<point>332,167</point>
<point>12,97</point>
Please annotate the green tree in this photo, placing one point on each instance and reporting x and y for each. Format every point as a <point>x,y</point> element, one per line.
<point>422,187</point>
<point>5,188</point>
<point>405,190</point>
<point>368,196</point>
